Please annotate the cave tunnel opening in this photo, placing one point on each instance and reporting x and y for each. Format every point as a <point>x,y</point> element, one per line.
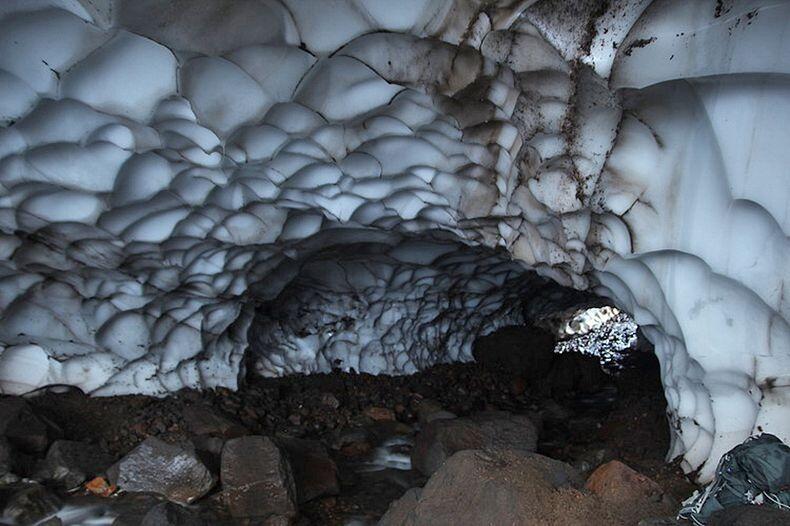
<point>427,262</point>
<point>374,340</point>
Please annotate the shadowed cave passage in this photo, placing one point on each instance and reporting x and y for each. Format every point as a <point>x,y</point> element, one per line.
<point>398,304</point>
<point>394,305</point>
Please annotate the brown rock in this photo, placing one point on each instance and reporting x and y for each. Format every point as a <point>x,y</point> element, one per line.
<point>440,439</point>
<point>380,414</point>
<point>202,419</point>
<point>257,480</point>
<point>615,482</point>
<point>498,487</point>
<point>315,474</point>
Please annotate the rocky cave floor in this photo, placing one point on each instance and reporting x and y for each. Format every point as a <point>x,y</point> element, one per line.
<point>364,425</point>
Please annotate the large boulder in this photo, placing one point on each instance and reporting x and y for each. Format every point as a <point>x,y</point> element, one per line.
<point>71,463</point>
<point>615,482</point>
<point>499,487</point>
<point>315,473</point>
<point>630,494</point>
<point>441,438</point>
<point>257,480</point>
<point>158,467</point>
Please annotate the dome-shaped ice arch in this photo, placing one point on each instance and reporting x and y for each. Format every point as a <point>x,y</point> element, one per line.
<point>164,166</point>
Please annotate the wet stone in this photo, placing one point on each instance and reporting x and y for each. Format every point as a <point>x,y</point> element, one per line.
<point>257,480</point>
<point>32,505</point>
<point>157,467</point>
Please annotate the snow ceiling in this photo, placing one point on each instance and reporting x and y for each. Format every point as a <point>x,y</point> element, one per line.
<point>361,183</point>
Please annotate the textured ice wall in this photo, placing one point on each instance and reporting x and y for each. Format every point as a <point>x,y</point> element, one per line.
<point>395,306</point>
<point>165,167</point>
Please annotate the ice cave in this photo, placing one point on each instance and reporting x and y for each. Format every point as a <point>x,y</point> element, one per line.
<point>196,193</point>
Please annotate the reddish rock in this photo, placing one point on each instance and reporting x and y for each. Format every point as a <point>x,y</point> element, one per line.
<point>380,414</point>
<point>615,482</point>
<point>99,486</point>
<point>501,487</point>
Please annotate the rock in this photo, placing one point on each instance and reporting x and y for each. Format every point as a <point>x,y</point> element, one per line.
<point>631,495</point>
<point>380,414</point>
<point>100,487</point>
<point>131,508</point>
<point>398,513</point>
<point>499,487</point>
<point>591,459</point>
<point>315,473</point>
<point>204,420</point>
<point>21,427</point>
<point>430,410</point>
<point>330,400</point>
<point>617,483</point>
<point>750,516</point>
<point>440,439</point>
<point>170,514</point>
<point>257,480</point>
<point>352,443</point>
<point>157,467</point>
<point>31,505</point>
<point>71,463</point>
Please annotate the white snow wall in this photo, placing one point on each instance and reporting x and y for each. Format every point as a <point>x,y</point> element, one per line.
<point>159,160</point>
